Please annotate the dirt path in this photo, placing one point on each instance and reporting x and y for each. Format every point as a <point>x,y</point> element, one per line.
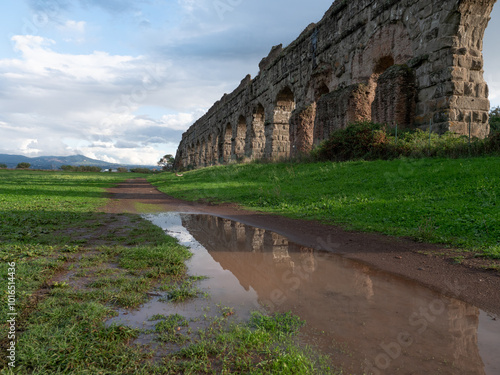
<point>467,281</point>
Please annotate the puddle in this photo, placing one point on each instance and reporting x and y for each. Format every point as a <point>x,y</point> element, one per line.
<point>369,321</point>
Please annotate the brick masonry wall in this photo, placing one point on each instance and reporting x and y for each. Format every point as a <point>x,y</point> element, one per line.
<point>393,61</point>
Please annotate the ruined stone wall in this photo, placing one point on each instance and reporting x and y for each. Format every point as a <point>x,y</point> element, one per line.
<point>410,62</point>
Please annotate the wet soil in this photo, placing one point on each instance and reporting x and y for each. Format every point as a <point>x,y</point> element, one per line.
<point>369,321</point>
<point>428,264</point>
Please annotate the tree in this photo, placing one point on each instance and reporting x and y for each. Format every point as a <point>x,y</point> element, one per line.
<point>167,162</point>
<point>23,165</point>
<point>3,166</point>
<point>495,119</point>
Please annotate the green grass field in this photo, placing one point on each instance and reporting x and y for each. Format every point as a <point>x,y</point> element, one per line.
<point>449,201</point>
<point>72,268</point>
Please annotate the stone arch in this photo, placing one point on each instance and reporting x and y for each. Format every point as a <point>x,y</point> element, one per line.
<point>389,84</point>
<point>258,137</point>
<point>320,91</point>
<point>240,139</point>
<point>191,155</point>
<point>197,159</point>
<point>220,146</point>
<point>278,133</point>
<point>227,143</point>
<point>203,153</point>
<point>210,150</point>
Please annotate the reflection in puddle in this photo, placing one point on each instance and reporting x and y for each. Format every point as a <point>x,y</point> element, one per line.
<point>369,321</point>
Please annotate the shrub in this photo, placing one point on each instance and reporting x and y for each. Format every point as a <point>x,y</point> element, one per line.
<point>23,165</point>
<point>3,166</point>
<point>360,140</point>
<point>495,120</point>
<point>141,170</point>
<point>369,141</point>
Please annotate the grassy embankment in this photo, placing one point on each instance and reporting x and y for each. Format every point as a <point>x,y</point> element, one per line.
<point>74,267</point>
<point>449,201</point>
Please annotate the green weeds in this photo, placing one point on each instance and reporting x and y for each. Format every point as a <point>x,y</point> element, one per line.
<point>266,345</point>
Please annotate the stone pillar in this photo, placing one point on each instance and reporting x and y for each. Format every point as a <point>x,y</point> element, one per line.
<point>278,133</point>
<point>302,130</point>
<point>258,136</point>
<point>452,90</point>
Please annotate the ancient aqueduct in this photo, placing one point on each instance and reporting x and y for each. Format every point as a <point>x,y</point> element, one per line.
<point>405,62</point>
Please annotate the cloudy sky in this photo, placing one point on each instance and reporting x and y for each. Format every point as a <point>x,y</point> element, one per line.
<point>121,80</point>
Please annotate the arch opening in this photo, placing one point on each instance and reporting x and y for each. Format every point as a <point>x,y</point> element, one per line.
<point>203,153</point>
<point>393,93</point>
<point>197,158</point>
<point>210,151</point>
<point>220,147</point>
<point>321,90</point>
<point>191,155</point>
<point>227,143</point>
<point>381,65</point>
<point>240,140</point>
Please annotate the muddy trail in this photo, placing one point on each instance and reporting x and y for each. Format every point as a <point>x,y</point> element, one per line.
<point>376,304</point>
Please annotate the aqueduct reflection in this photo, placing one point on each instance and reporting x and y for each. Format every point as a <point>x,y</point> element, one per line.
<point>384,322</point>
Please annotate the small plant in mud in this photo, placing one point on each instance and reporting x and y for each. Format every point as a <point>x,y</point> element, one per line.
<point>277,323</point>
<point>169,328</point>
<point>181,292</point>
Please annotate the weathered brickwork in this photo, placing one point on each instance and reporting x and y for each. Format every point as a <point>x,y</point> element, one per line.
<point>405,62</point>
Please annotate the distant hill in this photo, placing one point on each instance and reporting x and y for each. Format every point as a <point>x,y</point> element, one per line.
<point>55,162</point>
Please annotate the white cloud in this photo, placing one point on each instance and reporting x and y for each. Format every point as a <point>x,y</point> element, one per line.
<point>57,97</point>
<point>181,121</point>
<point>73,31</point>
<point>27,147</point>
<point>73,26</point>
<point>38,59</point>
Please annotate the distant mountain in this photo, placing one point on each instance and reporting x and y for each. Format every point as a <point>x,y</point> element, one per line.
<point>55,162</point>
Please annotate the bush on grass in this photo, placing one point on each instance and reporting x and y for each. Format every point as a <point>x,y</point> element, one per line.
<point>370,141</point>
